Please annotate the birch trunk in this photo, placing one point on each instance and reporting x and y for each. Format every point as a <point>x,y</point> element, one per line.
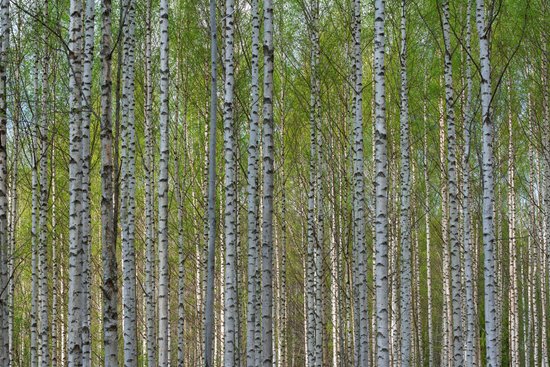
<point>164,280</point>
<point>490,284</point>
<point>14,178</point>
<point>252,348</point>
<point>127,210</point>
<point>513,318</point>
<point>359,245</point>
<point>110,274</point>
<point>150,337</point>
<point>86,239</point>
<point>43,207</point>
<point>35,317</point>
<point>230,291</point>
<point>75,305</point>
<point>428,244</point>
<point>446,351</point>
<point>5,253</point>
<point>381,189</point>
<point>470,346</point>
<point>181,251</point>
<point>454,243</point>
<point>55,268</point>
<point>405,217</point>
<point>267,201</point>
<point>211,215</point>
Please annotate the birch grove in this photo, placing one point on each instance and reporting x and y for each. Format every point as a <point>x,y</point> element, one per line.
<point>368,186</point>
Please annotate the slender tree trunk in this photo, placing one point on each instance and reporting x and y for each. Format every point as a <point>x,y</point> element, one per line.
<point>252,194</point>
<point>75,305</point>
<point>405,219</point>
<point>545,259</point>
<point>470,347</point>
<point>5,254</point>
<point>86,240</point>
<point>14,192</point>
<point>127,213</point>
<point>267,202</point>
<point>446,351</point>
<point>490,283</point>
<point>110,274</point>
<point>428,226</point>
<point>359,242</point>
<point>209,311</point>
<point>55,267</point>
<point>164,280</point>
<point>456,322</point>
<point>43,207</point>
<point>230,291</point>
<point>150,299</point>
<point>513,318</point>
<point>178,183</point>
<point>381,189</point>
<point>284,300</point>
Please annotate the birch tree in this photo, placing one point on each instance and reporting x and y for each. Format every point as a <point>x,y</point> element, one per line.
<point>110,273</point>
<point>43,206</point>
<point>381,189</point>
<point>470,332</point>
<point>513,317</point>
<point>267,201</point>
<point>127,209</point>
<point>75,305</point>
<point>150,302</point>
<point>164,280</point>
<point>252,349</point>
<point>230,292</point>
<point>490,287</point>
<point>405,219</point>
<point>457,352</point>
<point>5,350</point>
<point>359,245</point>
<point>211,210</point>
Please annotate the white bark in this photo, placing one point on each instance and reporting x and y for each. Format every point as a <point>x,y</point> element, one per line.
<point>75,305</point>
<point>164,280</point>
<point>513,310</point>
<point>252,349</point>
<point>110,276</point>
<point>446,351</point>
<point>381,189</point>
<point>55,269</point>
<point>178,187</point>
<point>230,291</point>
<point>456,322</point>
<point>5,253</point>
<point>14,198</point>
<point>127,210</point>
<point>490,292</point>
<point>470,332</point>
<point>405,217</point>
<point>427,223</point>
<point>43,208</point>
<point>211,196</point>
<point>359,241</point>
<point>150,297</point>
<point>267,200</point>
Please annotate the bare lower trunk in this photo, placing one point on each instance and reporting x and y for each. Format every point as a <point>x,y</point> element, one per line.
<point>127,209</point>
<point>381,190</point>
<point>164,279</point>
<point>267,202</point>
<point>405,216</point>
<point>490,296</point>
